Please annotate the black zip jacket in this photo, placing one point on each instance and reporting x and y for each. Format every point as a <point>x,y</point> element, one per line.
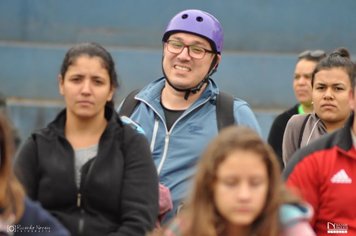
<point>118,194</point>
<point>275,136</point>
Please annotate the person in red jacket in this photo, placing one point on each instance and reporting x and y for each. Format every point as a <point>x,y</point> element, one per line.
<point>324,174</point>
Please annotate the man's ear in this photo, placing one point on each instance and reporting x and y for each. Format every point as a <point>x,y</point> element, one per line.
<point>218,60</point>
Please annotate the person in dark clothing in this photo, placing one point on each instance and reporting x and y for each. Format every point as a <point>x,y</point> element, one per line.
<point>18,214</point>
<point>304,68</point>
<point>92,172</point>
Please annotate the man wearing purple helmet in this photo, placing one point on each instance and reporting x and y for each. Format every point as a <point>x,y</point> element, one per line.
<point>202,34</point>
<point>178,111</point>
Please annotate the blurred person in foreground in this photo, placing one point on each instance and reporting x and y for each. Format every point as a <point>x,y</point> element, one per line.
<point>18,214</point>
<point>238,190</point>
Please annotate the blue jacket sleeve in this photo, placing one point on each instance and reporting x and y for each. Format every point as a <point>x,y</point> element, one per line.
<point>245,116</point>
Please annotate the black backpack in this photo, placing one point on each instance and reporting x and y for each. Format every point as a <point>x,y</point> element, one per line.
<point>224,108</point>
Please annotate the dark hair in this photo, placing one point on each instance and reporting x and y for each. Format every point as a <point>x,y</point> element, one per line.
<point>91,49</point>
<point>339,58</point>
<point>312,55</point>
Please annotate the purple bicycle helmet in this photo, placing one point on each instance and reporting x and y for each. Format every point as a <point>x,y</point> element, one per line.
<point>197,22</point>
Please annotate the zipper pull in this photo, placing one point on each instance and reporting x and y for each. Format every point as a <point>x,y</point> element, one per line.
<point>79,199</point>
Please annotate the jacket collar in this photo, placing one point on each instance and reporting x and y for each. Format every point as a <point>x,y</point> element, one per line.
<point>343,138</point>
<point>152,92</point>
<point>58,123</point>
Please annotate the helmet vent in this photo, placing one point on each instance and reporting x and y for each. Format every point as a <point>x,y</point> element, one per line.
<point>184,16</point>
<point>199,19</point>
<point>197,22</point>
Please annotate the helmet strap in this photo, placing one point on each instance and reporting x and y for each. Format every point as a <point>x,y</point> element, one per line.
<point>197,88</point>
<point>187,91</point>
<point>213,66</point>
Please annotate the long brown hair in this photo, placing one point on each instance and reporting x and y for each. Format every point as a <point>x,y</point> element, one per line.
<point>201,217</point>
<point>11,191</point>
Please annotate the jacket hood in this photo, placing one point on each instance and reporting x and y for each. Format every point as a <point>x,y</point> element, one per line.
<point>291,214</point>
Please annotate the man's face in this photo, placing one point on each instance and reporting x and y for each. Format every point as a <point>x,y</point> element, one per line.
<point>182,70</point>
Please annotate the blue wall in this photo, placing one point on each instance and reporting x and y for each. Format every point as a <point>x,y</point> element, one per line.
<point>262,39</point>
<point>254,25</point>
<point>30,69</point>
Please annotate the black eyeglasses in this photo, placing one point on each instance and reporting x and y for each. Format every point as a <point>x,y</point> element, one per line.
<point>194,51</point>
<point>317,54</point>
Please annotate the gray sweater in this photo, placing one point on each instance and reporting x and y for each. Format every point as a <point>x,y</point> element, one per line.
<point>313,129</point>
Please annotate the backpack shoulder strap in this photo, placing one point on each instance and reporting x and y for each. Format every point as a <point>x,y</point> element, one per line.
<point>224,110</point>
<point>302,130</point>
<point>129,104</point>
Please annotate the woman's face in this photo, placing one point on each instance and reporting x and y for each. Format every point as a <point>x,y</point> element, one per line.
<point>241,187</point>
<point>86,87</point>
<point>302,81</point>
<point>331,91</point>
